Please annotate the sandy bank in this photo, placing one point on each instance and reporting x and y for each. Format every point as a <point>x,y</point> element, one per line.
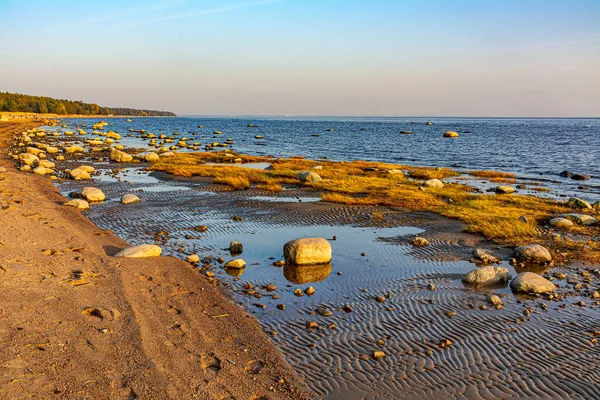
<point>78,323</point>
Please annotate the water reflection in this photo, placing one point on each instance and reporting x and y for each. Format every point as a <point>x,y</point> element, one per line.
<point>300,274</point>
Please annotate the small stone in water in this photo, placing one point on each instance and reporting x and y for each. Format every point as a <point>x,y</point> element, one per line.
<point>378,354</point>
<point>280,306</point>
<point>298,292</point>
<point>431,286</point>
<point>310,290</point>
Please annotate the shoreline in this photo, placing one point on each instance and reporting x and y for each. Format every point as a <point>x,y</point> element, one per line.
<point>79,322</point>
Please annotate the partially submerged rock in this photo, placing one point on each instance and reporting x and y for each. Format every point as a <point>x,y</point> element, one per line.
<point>93,194</point>
<point>487,276</point>
<point>420,242</point>
<point>120,156</point>
<point>534,253</point>
<point>307,251</point>
<point>236,264</point>
<point>451,134</point>
<point>483,257</point>
<point>236,247</point>
<point>79,174</point>
<point>139,251</point>
<point>130,199</point>
<point>528,282</point>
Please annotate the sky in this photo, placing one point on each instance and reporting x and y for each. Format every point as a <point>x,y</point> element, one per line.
<point>536,58</point>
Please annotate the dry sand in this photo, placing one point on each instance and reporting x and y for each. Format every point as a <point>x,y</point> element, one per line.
<point>76,322</point>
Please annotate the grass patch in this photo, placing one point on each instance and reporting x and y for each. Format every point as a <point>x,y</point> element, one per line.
<point>496,217</point>
<point>492,174</point>
<point>234,182</point>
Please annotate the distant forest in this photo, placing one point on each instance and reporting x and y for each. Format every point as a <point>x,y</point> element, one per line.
<point>14,102</point>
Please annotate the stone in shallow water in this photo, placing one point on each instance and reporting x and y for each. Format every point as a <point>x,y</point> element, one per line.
<point>307,251</point>
<point>236,247</point>
<point>487,276</point>
<point>533,253</point>
<point>142,250</point>
<point>528,282</point>
<point>93,194</point>
<point>129,199</point>
<point>79,174</point>
<point>236,264</point>
<point>483,257</point>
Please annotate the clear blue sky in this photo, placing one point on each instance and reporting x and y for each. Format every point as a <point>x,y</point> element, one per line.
<point>309,57</point>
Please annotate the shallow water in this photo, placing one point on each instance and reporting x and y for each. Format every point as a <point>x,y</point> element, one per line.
<point>531,148</point>
<point>495,353</point>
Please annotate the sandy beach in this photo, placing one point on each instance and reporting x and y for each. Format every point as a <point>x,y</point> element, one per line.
<point>389,317</point>
<point>79,323</point>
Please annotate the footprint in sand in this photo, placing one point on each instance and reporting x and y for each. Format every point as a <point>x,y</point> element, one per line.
<point>211,365</point>
<point>254,367</point>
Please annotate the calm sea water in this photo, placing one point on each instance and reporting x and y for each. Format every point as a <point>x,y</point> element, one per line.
<point>532,148</point>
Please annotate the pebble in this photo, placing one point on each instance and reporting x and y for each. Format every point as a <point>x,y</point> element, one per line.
<point>310,290</point>
<point>280,306</point>
<point>378,354</point>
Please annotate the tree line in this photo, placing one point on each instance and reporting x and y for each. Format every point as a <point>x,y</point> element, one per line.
<point>15,102</point>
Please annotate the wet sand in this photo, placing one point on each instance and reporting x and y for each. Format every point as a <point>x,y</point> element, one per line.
<point>531,348</point>
<point>79,323</point>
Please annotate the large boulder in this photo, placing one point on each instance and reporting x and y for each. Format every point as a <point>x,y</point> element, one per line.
<point>120,156</point>
<point>152,157</point>
<point>534,253</point>
<point>130,199</point>
<point>46,164</point>
<point>74,149</point>
<point>434,183</point>
<point>451,134</point>
<point>113,135</point>
<point>307,251</point>
<point>28,159</point>
<point>576,202</point>
<point>93,194</point>
<point>236,264</point>
<point>308,176</point>
<point>79,174</point>
<point>142,250</point>
<point>528,282</point>
<point>487,276</point>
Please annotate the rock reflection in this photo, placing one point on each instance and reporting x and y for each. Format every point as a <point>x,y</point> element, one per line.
<point>306,273</point>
